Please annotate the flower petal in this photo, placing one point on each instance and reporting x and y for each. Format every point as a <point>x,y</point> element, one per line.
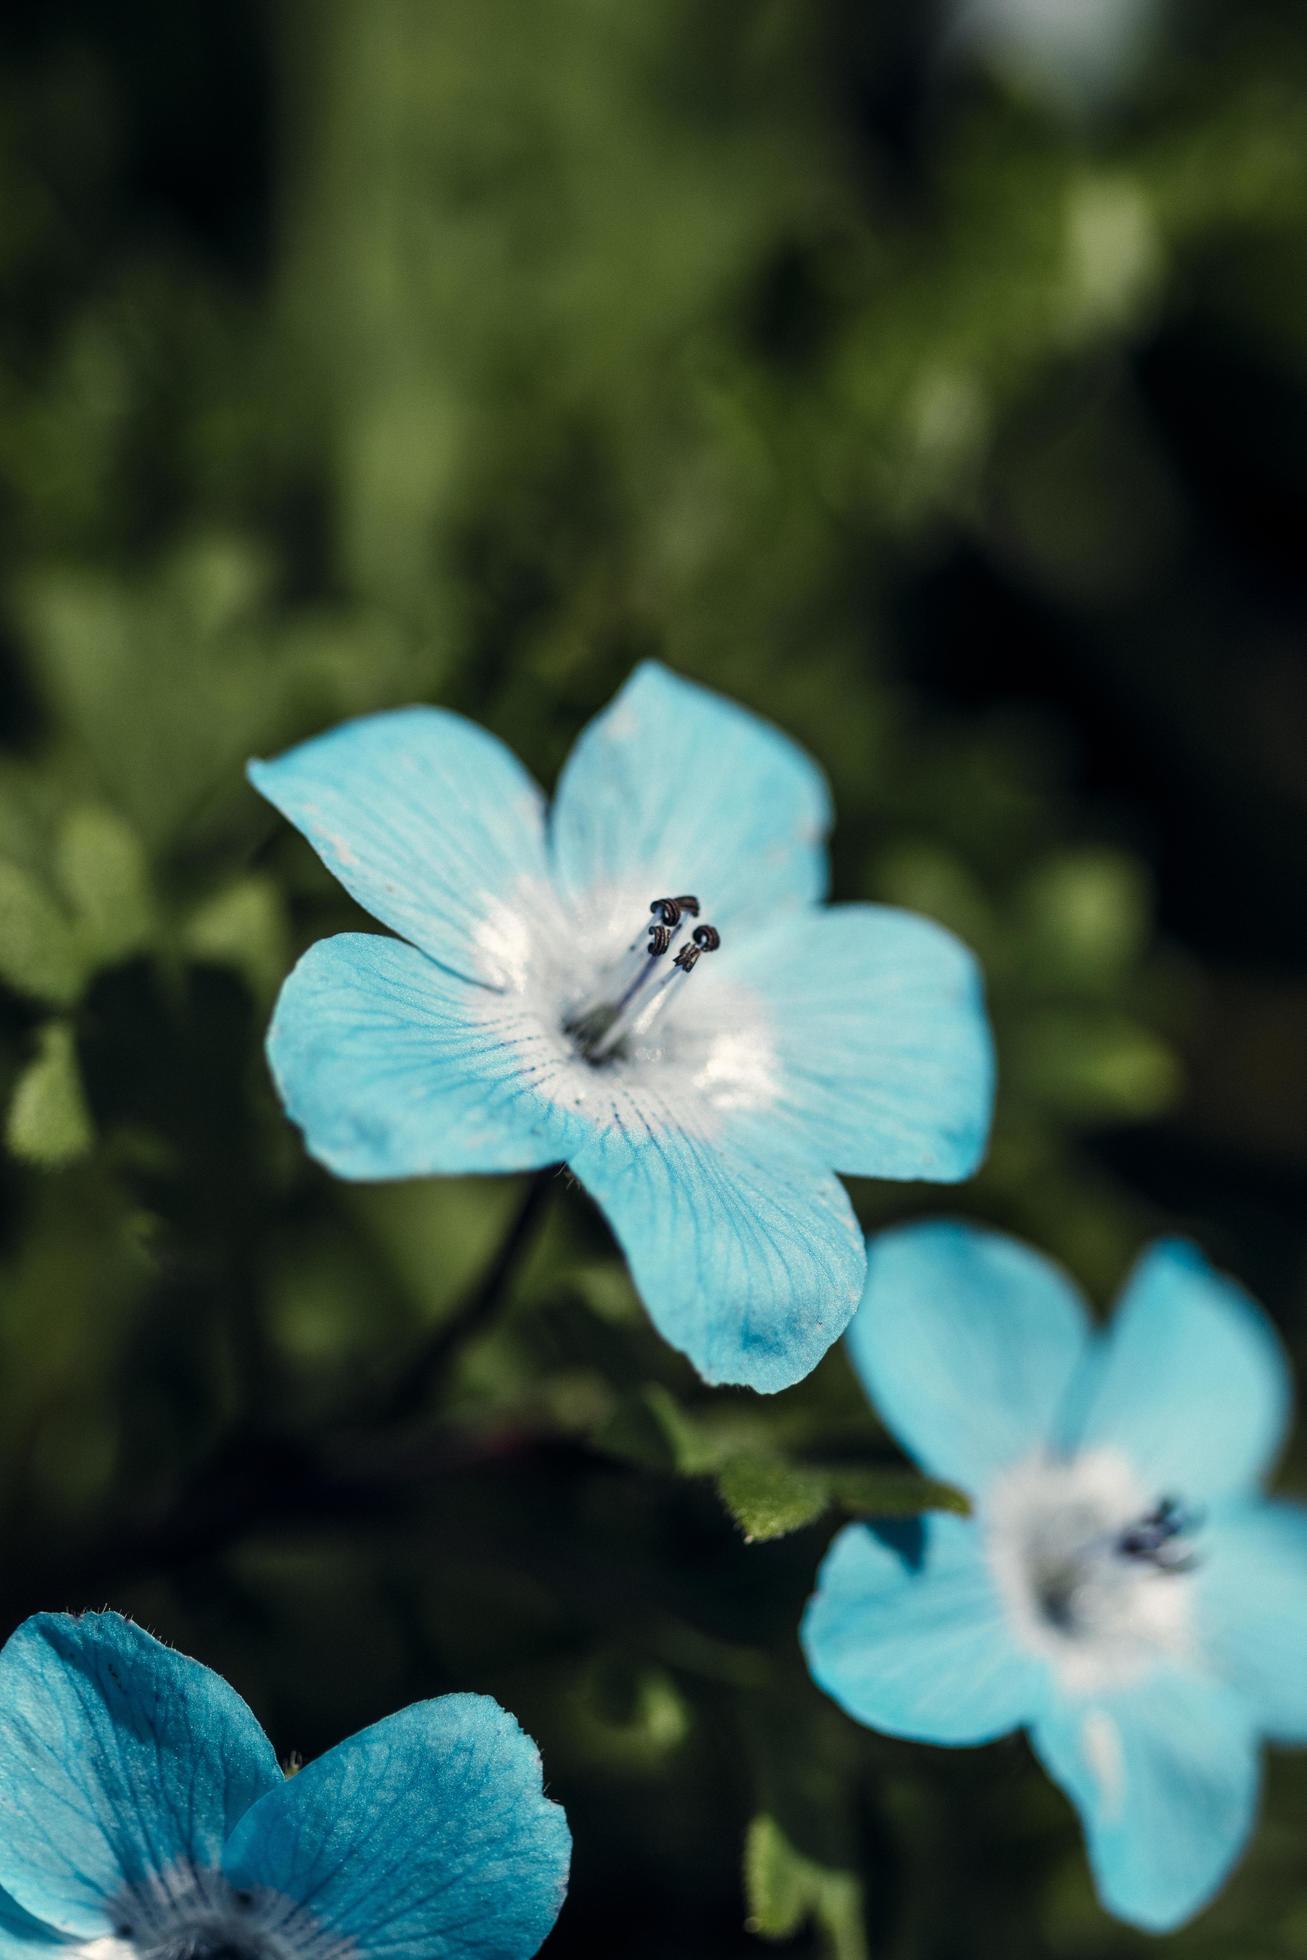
<point>1165,1776</point>
<point>1252,1610</point>
<point>393,1067</point>
<point>1191,1382</point>
<point>427,820</point>
<point>750,1260</point>
<point>117,1757</point>
<point>674,789</point>
<point>428,1833</point>
<point>966,1342</point>
<point>21,1935</point>
<point>886,1059</point>
<point>906,1633</point>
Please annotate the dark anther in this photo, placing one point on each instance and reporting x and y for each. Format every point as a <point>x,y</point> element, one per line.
<point>1153,1537</point>
<point>123,1930</point>
<point>660,938</point>
<point>706,940</point>
<point>669,910</point>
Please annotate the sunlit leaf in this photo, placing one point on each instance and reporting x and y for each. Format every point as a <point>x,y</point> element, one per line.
<point>1084,916</point>
<point>784,1889</point>
<point>892,1493</point>
<point>768,1497</point>
<point>1090,1065</point>
<point>48,1121</point>
<point>243,926</point>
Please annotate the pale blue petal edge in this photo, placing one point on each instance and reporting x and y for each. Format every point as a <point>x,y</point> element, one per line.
<point>1165,1776</point>
<point>748,1257</point>
<point>672,788</point>
<point>425,818</point>
<point>906,1632</point>
<point>1191,1381</point>
<point>1251,1582</point>
<point>886,1057</point>
<point>967,1342</point>
<point>428,1834</point>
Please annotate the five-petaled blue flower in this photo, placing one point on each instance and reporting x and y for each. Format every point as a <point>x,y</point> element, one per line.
<point>143,1816</point>
<point>645,986</point>
<point>1124,1588</point>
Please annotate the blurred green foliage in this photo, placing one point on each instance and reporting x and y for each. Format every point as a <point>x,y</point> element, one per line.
<point>368,351</point>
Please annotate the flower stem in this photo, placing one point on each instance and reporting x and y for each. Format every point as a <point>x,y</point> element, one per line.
<point>431,1359</point>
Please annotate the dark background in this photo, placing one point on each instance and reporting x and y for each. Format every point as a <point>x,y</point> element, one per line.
<point>938,388</point>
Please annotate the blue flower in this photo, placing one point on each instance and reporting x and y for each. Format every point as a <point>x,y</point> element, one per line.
<point>645,986</point>
<point>142,1813</point>
<point>1124,1588</point>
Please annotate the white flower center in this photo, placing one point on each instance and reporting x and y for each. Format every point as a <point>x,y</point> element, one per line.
<point>192,1913</point>
<point>610,1009</point>
<point>1093,1569</point>
<point>635,988</point>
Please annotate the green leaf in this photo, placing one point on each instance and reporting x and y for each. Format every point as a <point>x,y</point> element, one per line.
<point>805,1846</point>
<point>1084,917</point>
<point>103,870</point>
<point>629,1715</point>
<point>163,678</point>
<point>39,949</point>
<point>244,927</point>
<point>48,1122</point>
<point>893,1493</point>
<point>776,1881</point>
<point>1089,1066</point>
<point>769,1497</point>
<point>785,1888</point>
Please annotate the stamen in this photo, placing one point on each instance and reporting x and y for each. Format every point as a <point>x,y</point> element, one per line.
<point>1153,1540</point>
<point>706,940</point>
<point>624,977</point>
<point>660,938</point>
<point>669,910</point>
<point>603,1029</point>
